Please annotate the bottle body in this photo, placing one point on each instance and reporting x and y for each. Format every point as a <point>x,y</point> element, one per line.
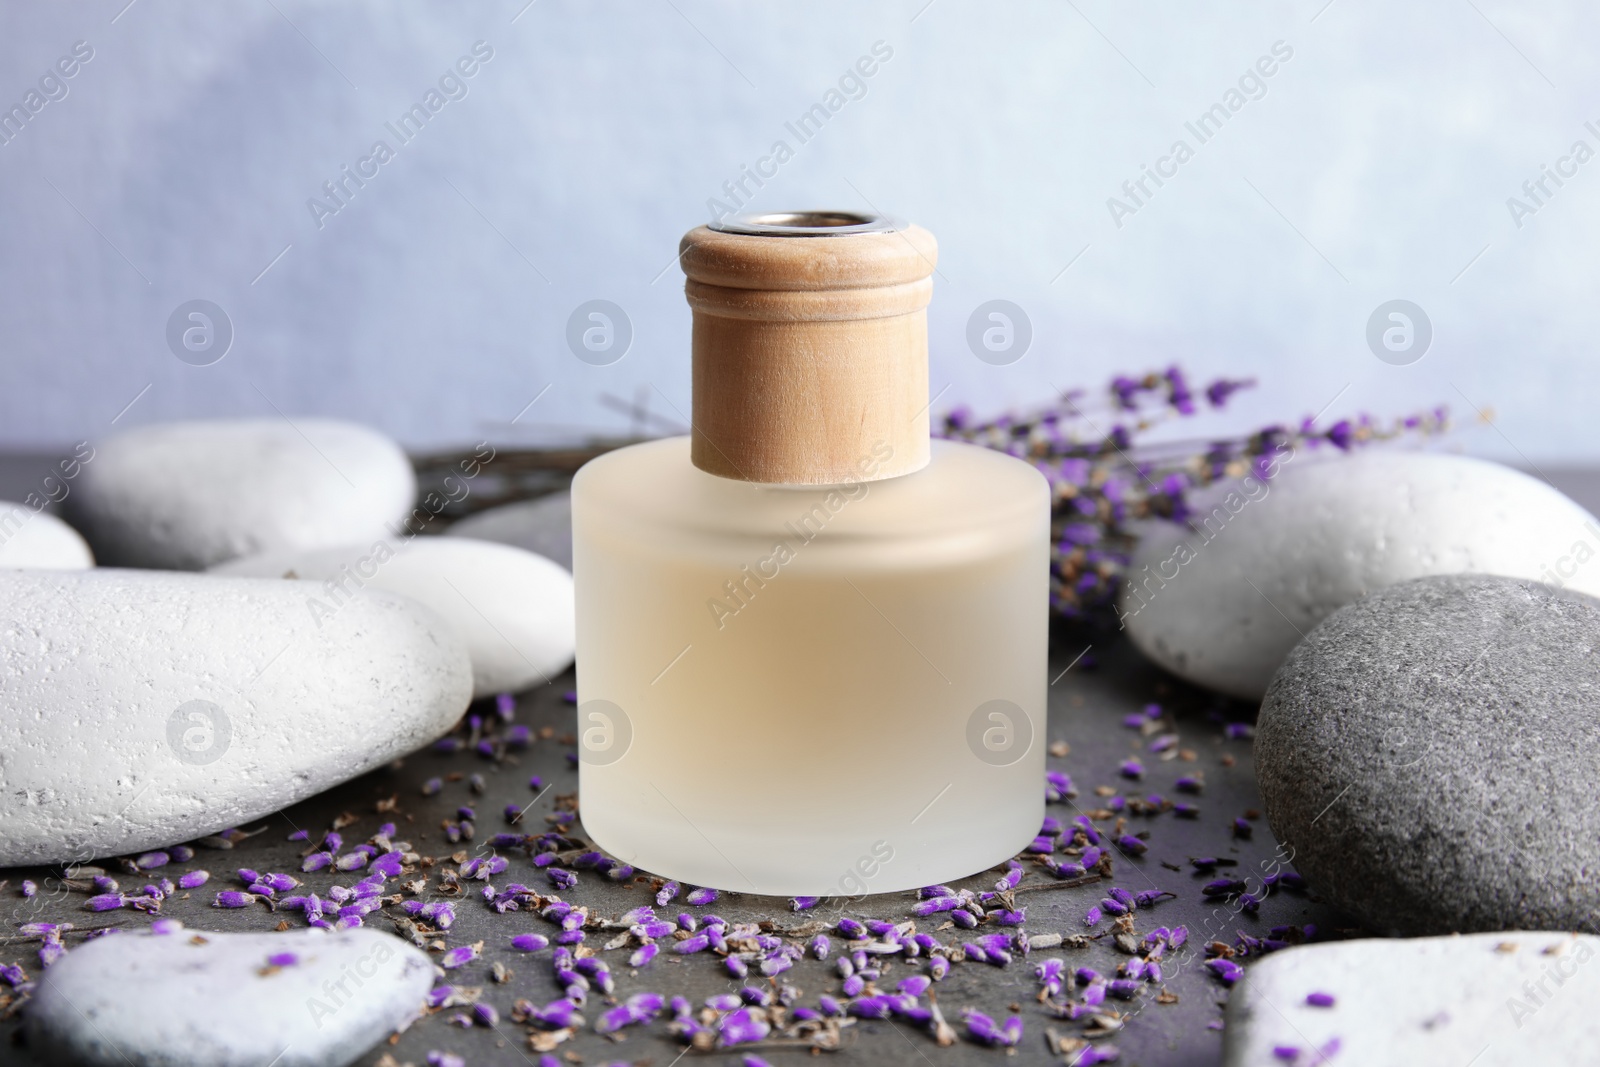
<point>817,690</point>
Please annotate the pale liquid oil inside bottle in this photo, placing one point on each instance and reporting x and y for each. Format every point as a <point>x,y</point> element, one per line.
<point>864,711</point>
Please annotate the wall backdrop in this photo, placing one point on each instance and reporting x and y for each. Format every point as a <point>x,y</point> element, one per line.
<point>392,211</point>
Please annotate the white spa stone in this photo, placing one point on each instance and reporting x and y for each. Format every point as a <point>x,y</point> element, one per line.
<point>513,609</point>
<point>1222,604</point>
<point>37,539</point>
<point>543,526</point>
<point>182,999</point>
<point>186,495</point>
<point>1491,1000</point>
<point>140,709</point>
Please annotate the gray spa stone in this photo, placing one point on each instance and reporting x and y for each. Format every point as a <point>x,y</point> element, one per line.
<point>543,526</point>
<point>187,495</point>
<point>139,709</point>
<point>182,999</point>
<point>1430,752</point>
<point>1220,602</point>
<point>1488,1000</point>
<point>38,540</point>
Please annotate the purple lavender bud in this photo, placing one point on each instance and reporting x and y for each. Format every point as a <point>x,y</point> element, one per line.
<point>736,967</point>
<point>1012,878</point>
<point>316,861</point>
<point>924,908</point>
<point>870,1008</point>
<point>1112,906</point>
<point>1121,896</point>
<point>232,899</point>
<point>151,860</point>
<point>1132,846</point>
<point>1095,992</point>
<point>697,943</point>
<point>740,1027</point>
<point>1188,784</point>
<point>1225,970</point>
<point>853,985</point>
<point>1092,916</point>
<point>1090,858</point>
<point>105,884</point>
<point>1010,918</point>
<point>852,929</point>
<point>1122,988</point>
<point>561,879</point>
<point>724,1002</point>
<point>828,1005</point>
<point>1320,1000</point>
<point>1042,845</point>
<point>1243,829</point>
<point>1185,811</point>
<point>938,967</point>
<point>915,985</point>
<point>530,942</point>
<point>1131,768</point>
<point>194,879</point>
<point>104,902</point>
<point>803,903</point>
<point>1082,823</point>
<point>248,876</point>
<point>459,956</point>
<point>819,946</point>
<point>976,953</point>
<point>1221,887</point>
<point>1133,722</point>
<point>1237,730</point>
<point>931,891</point>
<point>699,898</point>
<point>183,853</point>
<point>688,922</point>
<point>1148,897</point>
<point>667,893</point>
<point>282,959</point>
<point>447,744</point>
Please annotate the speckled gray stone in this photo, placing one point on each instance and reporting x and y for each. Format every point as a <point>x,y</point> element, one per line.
<point>139,709</point>
<point>187,495</point>
<point>180,999</point>
<point>1430,752</point>
<point>1485,1000</point>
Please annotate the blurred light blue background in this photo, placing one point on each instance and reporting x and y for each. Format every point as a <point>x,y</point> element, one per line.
<point>1375,163</point>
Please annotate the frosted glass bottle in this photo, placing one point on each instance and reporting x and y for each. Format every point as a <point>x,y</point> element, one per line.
<point>814,689</point>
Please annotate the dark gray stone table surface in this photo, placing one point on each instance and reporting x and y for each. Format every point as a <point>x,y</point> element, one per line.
<point>1087,709</point>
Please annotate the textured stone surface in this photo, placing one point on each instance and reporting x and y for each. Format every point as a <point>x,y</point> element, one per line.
<point>186,495</point>
<point>180,999</point>
<point>1430,752</point>
<point>543,526</point>
<point>1489,1000</point>
<point>1223,604</point>
<point>513,609</point>
<point>37,539</point>
<point>139,709</point>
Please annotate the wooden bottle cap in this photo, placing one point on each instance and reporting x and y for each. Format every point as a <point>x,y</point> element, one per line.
<point>810,346</point>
